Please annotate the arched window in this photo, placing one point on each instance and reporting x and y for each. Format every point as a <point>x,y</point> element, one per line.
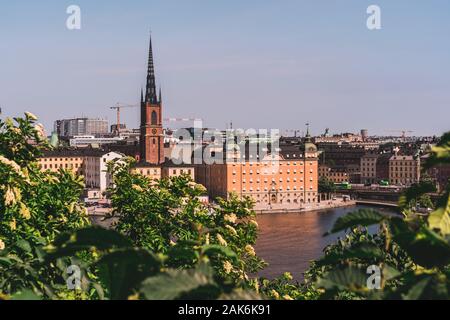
<point>154,118</point>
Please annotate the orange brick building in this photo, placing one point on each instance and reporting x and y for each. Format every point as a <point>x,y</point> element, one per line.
<point>286,179</point>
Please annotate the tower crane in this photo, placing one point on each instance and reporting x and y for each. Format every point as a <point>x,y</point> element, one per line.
<point>289,132</point>
<point>182,119</point>
<point>403,133</point>
<point>119,107</point>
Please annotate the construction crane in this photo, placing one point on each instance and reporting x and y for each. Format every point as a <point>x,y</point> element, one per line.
<point>119,107</point>
<point>403,133</point>
<point>182,119</point>
<point>289,132</point>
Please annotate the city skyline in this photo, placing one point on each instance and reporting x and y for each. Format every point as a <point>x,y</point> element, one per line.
<point>268,66</point>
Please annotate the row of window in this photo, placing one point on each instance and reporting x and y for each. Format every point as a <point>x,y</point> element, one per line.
<point>149,172</point>
<point>60,166</point>
<point>401,175</point>
<point>266,172</point>
<point>182,171</point>
<point>274,163</point>
<point>156,171</point>
<point>288,188</point>
<point>309,200</point>
<point>336,174</point>
<point>273,180</point>
<point>403,163</point>
<point>59,159</point>
<point>281,196</point>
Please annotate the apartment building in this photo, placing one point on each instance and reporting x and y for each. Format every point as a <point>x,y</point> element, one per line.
<point>89,163</point>
<point>333,174</point>
<point>95,170</point>
<point>287,177</point>
<point>404,170</point>
<point>369,168</point>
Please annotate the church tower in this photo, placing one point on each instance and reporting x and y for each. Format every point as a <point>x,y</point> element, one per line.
<point>152,137</point>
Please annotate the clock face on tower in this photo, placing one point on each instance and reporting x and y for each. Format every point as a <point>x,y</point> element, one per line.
<point>154,131</point>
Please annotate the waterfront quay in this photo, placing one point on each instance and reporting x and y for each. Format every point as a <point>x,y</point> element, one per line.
<point>323,205</point>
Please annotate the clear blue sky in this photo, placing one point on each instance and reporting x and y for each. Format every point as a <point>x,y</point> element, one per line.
<point>262,64</point>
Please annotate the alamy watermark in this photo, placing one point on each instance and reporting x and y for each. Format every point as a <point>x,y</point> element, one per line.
<point>199,145</point>
<point>374,280</point>
<point>73,22</point>
<point>73,281</point>
<point>374,20</point>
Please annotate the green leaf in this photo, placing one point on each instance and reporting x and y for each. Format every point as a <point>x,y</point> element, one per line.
<point>26,295</point>
<point>5,261</point>
<point>348,279</point>
<point>414,192</point>
<point>123,270</point>
<point>178,284</point>
<point>424,286</point>
<point>217,250</point>
<point>361,250</point>
<point>84,239</point>
<point>362,217</point>
<point>424,246</point>
<point>440,219</point>
<point>23,245</point>
<point>440,153</point>
<point>390,272</point>
<point>182,255</point>
<point>417,290</point>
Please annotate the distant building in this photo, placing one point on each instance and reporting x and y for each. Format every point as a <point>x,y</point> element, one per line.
<point>369,168</point>
<point>67,128</point>
<point>87,141</point>
<point>333,174</point>
<point>95,170</point>
<point>404,170</point>
<point>439,174</point>
<point>341,155</point>
<point>54,160</point>
<point>364,134</point>
<point>382,167</point>
<point>338,138</point>
<point>91,164</point>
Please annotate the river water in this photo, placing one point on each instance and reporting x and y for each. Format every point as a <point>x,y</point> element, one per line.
<point>289,241</point>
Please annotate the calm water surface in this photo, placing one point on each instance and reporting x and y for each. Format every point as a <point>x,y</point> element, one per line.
<point>289,241</point>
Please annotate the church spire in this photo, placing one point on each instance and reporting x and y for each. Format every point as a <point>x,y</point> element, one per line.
<point>150,93</point>
<point>308,136</point>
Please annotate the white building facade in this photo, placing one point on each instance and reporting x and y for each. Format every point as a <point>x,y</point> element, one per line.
<point>95,170</point>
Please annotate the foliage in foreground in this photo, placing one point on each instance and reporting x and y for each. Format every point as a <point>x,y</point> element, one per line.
<point>168,217</point>
<point>35,207</point>
<point>411,252</point>
<point>174,247</point>
<point>168,245</point>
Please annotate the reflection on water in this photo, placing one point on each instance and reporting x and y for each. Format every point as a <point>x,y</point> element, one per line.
<point>289,241</point>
